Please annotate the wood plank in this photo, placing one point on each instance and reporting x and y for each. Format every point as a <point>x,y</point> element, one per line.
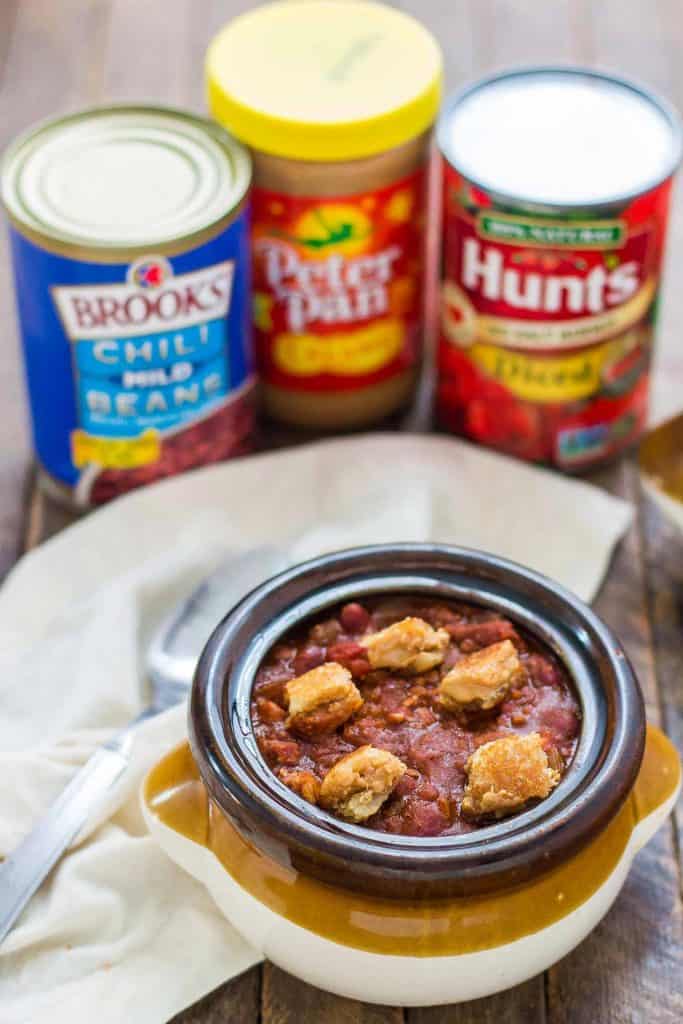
<point>63,41</point>
<point>644,40</point>
<point>153,52</point>
<point>621,600</point>
<point>45,518</point>
<point>285,1000</point>
<point>8,15</point>
<point>663,544</point>
<point>14,477</point>
<point>15,484</point>
<point>174,41</point>
<point>524,1004</point>
<point>453,24</point>
<point>629,968</point>
<point>509,32</point>
<point>667,379</point>
<point>234,1003</point>
<point>634,38</point>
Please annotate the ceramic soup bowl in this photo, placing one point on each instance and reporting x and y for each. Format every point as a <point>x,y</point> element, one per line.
<point>397,919</point>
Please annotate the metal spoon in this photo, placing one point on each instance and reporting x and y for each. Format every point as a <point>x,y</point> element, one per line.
<point>171,659</point>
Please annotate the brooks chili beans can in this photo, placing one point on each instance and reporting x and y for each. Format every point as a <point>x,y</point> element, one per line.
<point>556,197</point>
<point>130,244</point>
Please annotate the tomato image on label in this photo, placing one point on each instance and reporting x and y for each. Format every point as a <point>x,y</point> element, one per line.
<point>337,286</point>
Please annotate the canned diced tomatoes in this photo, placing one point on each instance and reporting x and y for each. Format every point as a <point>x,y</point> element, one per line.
<point>556,195</point>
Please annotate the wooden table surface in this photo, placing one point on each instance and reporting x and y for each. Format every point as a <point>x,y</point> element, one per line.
<point>57,55</point>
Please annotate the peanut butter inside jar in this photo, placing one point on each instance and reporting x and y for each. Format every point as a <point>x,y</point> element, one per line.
<point>336,100</point>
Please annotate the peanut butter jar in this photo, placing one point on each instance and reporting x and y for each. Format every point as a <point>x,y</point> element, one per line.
<point>336,100</point>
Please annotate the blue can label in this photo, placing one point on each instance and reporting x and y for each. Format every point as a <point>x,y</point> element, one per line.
<point>130,382</point>
<point>152,359</point>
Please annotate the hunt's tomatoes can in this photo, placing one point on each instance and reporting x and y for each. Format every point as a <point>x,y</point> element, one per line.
<point>130,244</point>
<point>556,197</point>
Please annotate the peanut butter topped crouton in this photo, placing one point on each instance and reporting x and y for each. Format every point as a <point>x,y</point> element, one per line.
<point>504,774</point>
<point>320,700</point>
<point>358,784</point>
<point>482,679</point>
<point>411,645</point>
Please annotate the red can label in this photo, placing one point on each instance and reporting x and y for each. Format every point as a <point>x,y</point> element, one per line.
<point>337,281</point>
<point>547,325</point>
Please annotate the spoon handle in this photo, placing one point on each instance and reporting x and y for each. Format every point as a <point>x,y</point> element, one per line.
<point>26,868</point>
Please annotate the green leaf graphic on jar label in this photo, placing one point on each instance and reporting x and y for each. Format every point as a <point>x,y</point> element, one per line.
<point>334,234</point>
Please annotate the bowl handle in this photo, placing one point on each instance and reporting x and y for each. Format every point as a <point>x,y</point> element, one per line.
<point>657,786</point>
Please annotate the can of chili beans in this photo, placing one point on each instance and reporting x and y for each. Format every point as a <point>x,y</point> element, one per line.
<point>130,243</point>
<point>556,197</point>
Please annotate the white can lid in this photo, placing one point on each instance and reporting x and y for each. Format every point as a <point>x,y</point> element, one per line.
<point>561,137</point>
<point>122,177</point>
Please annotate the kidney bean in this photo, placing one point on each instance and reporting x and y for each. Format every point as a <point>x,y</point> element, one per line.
<point>471,636</point>
<point>406,786</point>
<point>354,618</point>
<point>309,657</point>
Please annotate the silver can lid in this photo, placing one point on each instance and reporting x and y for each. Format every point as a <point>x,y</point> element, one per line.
<point>562,137</point>
<point>122,178</point>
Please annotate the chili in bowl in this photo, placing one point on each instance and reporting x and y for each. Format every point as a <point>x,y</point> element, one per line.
<point>415,773</point>
<point>415,716</point>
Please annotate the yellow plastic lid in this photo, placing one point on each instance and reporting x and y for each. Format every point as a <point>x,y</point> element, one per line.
<point>324,79</point>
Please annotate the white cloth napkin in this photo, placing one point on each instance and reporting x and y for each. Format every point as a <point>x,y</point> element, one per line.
<point>119,933</point>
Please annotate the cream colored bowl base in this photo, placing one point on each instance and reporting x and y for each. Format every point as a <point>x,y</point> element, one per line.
<point>398,980</point>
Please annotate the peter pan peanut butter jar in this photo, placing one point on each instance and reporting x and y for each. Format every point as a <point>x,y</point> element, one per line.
<point>334,715</point>
<point>336,100</point>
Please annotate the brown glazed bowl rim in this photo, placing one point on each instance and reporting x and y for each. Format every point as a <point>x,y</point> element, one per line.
<point>294,832</point>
